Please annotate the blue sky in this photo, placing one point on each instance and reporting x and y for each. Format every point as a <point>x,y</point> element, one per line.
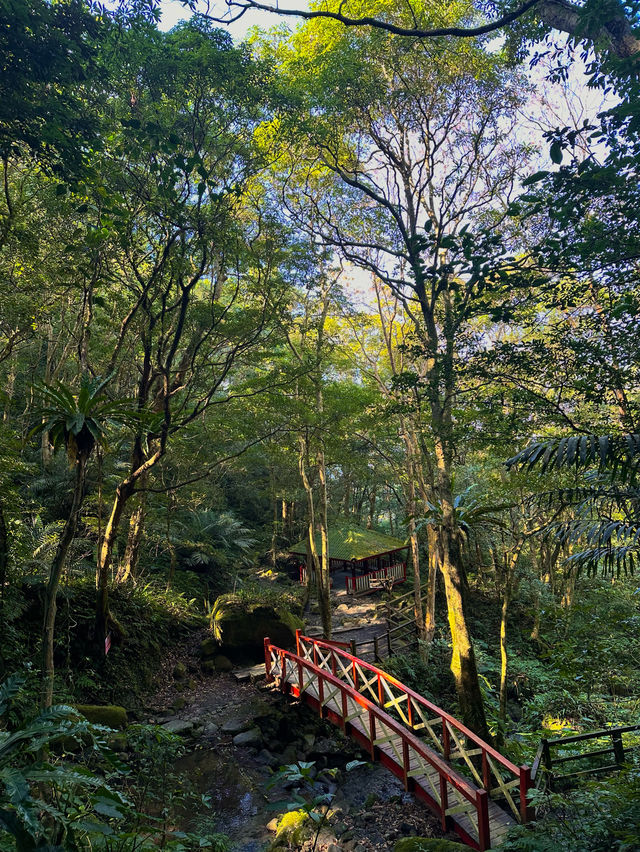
<point>174,11</point>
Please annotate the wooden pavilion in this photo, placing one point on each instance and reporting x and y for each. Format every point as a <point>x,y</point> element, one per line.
<point>363,559</point>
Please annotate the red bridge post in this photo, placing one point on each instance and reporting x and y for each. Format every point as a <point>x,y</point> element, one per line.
<point>267,658</point>
<point>484,829</point>
<point>526,811</point>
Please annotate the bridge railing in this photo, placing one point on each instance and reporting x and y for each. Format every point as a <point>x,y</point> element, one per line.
<point>445,791</point>
<point>492,771</point>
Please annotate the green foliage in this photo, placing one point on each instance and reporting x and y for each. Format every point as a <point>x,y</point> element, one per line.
<point>211,541</point>
<point>49,67</point>
<point>599,816</point>
<point>469,514</point>
<point>430,677</point>
<point>37,778</point>
<point>78,421</point>
<point>308,802</point>
<point>618,453</point>
<point>606,509</point>
<point>61,788</point>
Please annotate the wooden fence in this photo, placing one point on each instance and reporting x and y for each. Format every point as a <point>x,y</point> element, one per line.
<point>556,753</point>
<point>381,578</point>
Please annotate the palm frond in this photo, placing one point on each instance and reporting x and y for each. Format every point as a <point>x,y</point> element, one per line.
<point>618,453</point>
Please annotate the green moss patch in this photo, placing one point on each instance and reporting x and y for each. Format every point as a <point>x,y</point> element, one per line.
<point>428,844</point>
<point>293,829</point>
<point>109,715</point>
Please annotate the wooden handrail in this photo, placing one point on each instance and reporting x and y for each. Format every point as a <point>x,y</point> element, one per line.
<point>504,761</point>
<point>545,759</point>
<point>410,594</point>
<point>475,796</point>
<point>377,573</point>
<point>593,735</point>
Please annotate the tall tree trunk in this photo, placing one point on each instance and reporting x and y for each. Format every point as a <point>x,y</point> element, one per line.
<point>4,554</point>
<point>504,662</point>
<point>105,556</point>
<point>291,521</point>
<point>55,573</point>
<point>9,385</point>
<point>324,585</point>
<point>412,510</point>
<point>430,609</point>
<point>284,519</point>
<point>372,507</point>
<point>510,572</point>
<point>313,560</point>
<point>170,545</point>
<point>463,660</point>
<point>346,497</point>
<point>128,567</point>
<point>274,528</point>
<point>138,471</point>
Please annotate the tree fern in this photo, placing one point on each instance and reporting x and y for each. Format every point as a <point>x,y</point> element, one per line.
<point>605,508</point>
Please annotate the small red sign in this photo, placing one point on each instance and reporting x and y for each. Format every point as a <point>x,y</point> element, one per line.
<point>107,643</point>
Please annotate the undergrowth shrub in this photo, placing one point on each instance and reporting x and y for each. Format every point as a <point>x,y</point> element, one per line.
<point>62,788</point>
<point>431,678</point>
<point>603,815</point>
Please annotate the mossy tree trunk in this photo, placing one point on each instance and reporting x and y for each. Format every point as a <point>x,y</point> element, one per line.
<point>324,586</point>
<point>432,578</point>
<point>414,546</point>
<point>441,385</point>
<point>55,574</point>
<point>511,564</point>
<point>128,567</point>
<point>4,553</point>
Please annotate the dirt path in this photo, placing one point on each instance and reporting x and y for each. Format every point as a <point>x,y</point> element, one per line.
<point>370,809</point>
<point>359,618</point>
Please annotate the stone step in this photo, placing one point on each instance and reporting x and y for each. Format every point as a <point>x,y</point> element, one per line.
<point>251,674</point>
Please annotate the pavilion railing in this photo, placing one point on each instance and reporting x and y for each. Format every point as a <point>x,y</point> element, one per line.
<point>396,573</point>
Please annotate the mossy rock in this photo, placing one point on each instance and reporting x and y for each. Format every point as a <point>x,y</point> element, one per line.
<point>241,625</point>
<point>208,648</point>
<point>222,663</point>
<point>428,844</point>
<point>293,829</point>
<point>118,742</point>
<point>179,671</point>
<point>110,715</point>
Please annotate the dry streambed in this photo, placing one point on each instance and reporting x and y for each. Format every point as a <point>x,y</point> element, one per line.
<point>238,734</point>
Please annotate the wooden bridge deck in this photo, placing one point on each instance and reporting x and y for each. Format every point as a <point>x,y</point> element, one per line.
<point>361,699</point>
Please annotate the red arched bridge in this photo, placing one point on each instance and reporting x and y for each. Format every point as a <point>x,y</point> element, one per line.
<point>474,789</point>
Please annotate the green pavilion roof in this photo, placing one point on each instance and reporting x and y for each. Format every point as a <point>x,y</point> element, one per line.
<point>349,541</point>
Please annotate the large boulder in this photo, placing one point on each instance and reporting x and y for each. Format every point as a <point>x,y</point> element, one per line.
<point>110,715</point>
<point>208,648</point>
<point>240,624</point>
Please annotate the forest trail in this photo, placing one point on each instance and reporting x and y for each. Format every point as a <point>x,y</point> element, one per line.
<point>363,619</point>
<point>359,698</point>
<point>352,618</point>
